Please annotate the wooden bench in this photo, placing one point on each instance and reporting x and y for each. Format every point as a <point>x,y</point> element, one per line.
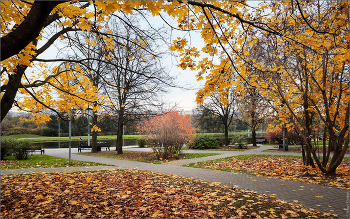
<point>99,147</point>
<point>262,141</point>
<point>107,146</point>
<point>42,151</point>
<point>84,147</point>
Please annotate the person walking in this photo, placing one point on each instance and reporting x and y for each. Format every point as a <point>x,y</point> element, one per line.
<point>80,142</point>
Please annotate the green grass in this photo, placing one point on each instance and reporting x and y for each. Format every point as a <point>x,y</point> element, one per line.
<point>18,136</point>
<point>275,151</point>
<point>38,139</point>
<point>43,161</point>
<point>147,157</point>
<point>226,149</point>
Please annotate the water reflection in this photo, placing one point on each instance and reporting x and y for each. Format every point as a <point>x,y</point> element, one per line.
<point>75,144</point>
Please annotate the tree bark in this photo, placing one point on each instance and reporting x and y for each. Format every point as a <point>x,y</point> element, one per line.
<point>227,142</point>
<point>11,91</point>
<point>94,133</point>
<point>119,146</point>
<point>253,135</point>
<point>28,30</point>
<point>325,151</point>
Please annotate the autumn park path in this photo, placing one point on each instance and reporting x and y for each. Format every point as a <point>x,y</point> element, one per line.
<point>323,198</point>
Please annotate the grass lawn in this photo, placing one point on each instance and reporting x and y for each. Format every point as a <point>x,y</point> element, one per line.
<point>147,157</point>
<point>135,194</point>
<point>23,136</point>
<point>226,148</point>
<point>43,161</point>
<point>283,167</point>
<point>38,138</point>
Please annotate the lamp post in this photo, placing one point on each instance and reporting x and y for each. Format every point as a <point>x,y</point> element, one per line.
<point>284,138</point>
<point>89,126</point>
<point>70,137</point>
<point>59,132</point>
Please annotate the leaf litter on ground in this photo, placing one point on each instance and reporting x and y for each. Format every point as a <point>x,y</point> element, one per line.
<point>135,193</point>
<point>282,167</point>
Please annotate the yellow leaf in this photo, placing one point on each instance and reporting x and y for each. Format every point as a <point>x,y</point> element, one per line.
<point>296,201</point>
<point>155,214</point>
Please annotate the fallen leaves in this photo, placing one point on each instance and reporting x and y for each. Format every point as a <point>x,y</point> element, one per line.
<point>282,167</point>
<point>133,193</point>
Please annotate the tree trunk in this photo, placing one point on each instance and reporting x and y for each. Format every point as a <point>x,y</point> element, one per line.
<point>11,91</point>
<point>303,154</point>
<point>227,142</point>
<point>94,133</point>
<point>119,146</point>
<point>253,135</point>
<point>325,151</point>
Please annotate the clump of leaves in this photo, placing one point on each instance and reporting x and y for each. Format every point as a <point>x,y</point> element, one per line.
<point>134,193</point>
<point>282,167</point>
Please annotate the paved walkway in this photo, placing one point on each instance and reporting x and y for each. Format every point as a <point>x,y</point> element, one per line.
<point>334,200</point>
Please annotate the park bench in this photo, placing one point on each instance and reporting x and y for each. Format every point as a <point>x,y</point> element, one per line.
<point>42,151</point>
<point>262,141</point>
<point>83,147</point>
<point>103,145</point>
<point>99,147</point>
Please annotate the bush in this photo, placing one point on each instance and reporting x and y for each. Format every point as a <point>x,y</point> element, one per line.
<point>141,142</point>
<point>204,142</point>
<point>249,140</point>
<point>22,149</point>
<point>221,140</point>
<point>277,136</point>
<point>240,141</point>
<point>167,133</point>
<point>7,144</point>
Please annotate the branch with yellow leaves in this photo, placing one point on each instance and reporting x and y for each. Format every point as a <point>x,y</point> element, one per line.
<point>39,101</point>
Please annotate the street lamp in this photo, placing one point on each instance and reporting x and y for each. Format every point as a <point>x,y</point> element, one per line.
<point>70,138</point>
<point>88,125</point>
<point>59,132</point>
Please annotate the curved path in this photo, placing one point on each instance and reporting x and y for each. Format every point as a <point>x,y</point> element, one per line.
<point>333,200</point>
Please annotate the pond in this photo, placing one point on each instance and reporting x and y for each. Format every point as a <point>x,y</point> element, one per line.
<point>75,144</point>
